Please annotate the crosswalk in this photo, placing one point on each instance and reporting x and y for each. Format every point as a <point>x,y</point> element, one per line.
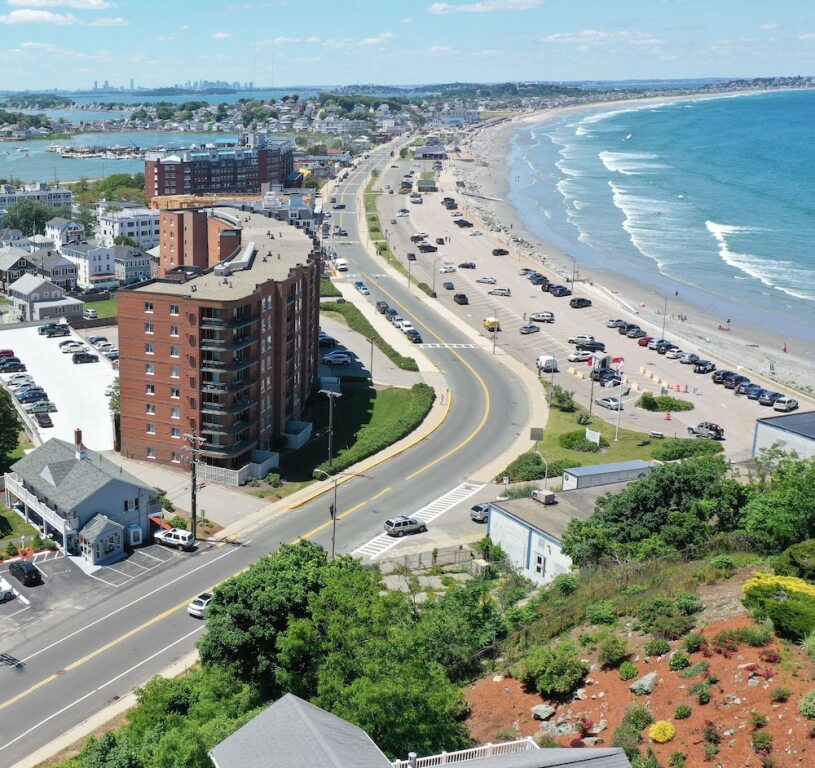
<point>446,346</point>
<point>382,543</point>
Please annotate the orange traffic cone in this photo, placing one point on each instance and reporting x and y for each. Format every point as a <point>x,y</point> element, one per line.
<point>667,416</point>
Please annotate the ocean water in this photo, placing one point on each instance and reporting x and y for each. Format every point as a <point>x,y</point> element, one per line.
<point>709,198</point>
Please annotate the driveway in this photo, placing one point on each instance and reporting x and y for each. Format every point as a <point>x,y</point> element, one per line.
<point>78,391</point>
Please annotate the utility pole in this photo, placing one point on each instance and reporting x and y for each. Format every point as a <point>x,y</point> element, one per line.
<point>331,395</point>
<point>495,328</point>
<point>664,316</point>
<point>195,446</point>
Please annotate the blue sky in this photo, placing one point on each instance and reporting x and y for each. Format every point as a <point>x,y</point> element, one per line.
<point>71,43</point>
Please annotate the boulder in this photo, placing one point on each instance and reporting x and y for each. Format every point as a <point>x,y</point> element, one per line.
<point>542,711</point>
<point>564,729</point>
<point>599,727</point>
<point>580,694</point>
<point>645,685</point>
<point>591,741</point>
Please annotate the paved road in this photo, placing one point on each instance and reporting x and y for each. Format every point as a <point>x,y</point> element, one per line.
<point>70,656</point>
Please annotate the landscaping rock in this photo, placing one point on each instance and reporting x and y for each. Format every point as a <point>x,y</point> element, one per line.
<point>580,694</point>
<point>542,711</point>
<point>548,729</point>
<point>564,729</point>
<point>497,678</point>
<point>753,681</point>
<point>591,741</point>
<point>599,727</point>
<point>645,685</point>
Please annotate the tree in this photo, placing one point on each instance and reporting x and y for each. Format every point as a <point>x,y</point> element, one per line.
<point>30,216</point>
<point>125,240</point>
<point>9,427</point>
<point>87,218</point>
<point>114,402</point>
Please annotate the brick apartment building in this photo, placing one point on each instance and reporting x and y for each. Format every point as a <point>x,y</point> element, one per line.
<point>223,344</point>
<point>235,170</point>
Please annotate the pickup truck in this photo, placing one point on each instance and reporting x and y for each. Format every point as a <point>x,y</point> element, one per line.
<point>60,330</point>
<point>175,537</point>
<point>706,429</point>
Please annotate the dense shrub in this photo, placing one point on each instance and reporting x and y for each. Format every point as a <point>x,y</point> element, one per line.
<point>554,670</point>
<point>562,399</point>
<point>722,562</point>
<point>628,670</point>
<point>797,560</point>
<point>528,467</point>
<point>576,441</point>
<point>780,694</point>
<point>809,645</point>
<point>565,583</point>
<point>678,760</point>
<point>628,739</point>
<point>689,603</point>
<point>694,642</point>
<point>695,669</point>
<point>613,651</point>
<point>648,611</point>
<point>656,646</point>
<point>638,716</point>
<point>662,731</point>
<point>762,741</point>
<point>662,403</point>
<point>675,448</point>
<point>807,705</point>
<point>602,612</point>
<point>758,719</point>
<point>682,712</point>
<point>671,627</point>
<point>702,692</point>
<point>678,661</point>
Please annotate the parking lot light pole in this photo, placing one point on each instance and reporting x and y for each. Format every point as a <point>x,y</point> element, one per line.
<point>331,395</point>
<point>664,316</point>
<point>495,328</point>
<point>546,471</point>
<point>435,261</point>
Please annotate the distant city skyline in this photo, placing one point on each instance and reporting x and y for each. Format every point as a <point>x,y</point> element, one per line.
<point>69,44</point>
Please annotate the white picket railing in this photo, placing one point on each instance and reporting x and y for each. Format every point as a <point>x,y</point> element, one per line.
<point>475,753</point>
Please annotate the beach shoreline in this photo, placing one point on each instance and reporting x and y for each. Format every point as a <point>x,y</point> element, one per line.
<point>483,167</point>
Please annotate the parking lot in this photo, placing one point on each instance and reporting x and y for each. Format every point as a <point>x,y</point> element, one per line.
<point>78,391</point>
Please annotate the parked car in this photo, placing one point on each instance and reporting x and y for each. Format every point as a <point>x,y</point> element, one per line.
<point>654,343</point>
<point>362,288</point>
<point>90,314</point>
<point>598,374</point>
<point>406,326</point>
<point>704,366</point>
<point>414,335</point>
<point>500,252</point>
<point>733,381</point>
<point>706,429</point>
<point>411,256</point>
<point>580,338</point>
<point>25,572</point>
<point>591,346</point>
<point>542,317</point>
<point>461,298</point>
<point>112,354</point>
<point>32,397</point>
<point>526,271</point>
<point>43,420</point>
<point>720,375</point>
<point>439,241</point>
<point>72,347</point>
<point>480,513</point>
<point>42,329</point>
<point>6,353</point>
<point>753,391</point>
<point>338,206</point>
<point>327,341</point>
<point>427,248</point>
<point>399,526</point>
<point>636,333</point>
<point>60,330</point>
<point>645,341</point>
<point>785,404</point>
<point>337,358</point>
<point>487,280</point>
<point>43,406</point>
<point>448,286</point>
<point>674,353</point>
<point>614,323</point>
<point>84,357</point>
<point>664,346</point>
<point>689,358</point>
<point>19,378</point>
<point>13,368</point>
<point>6,591</point>
<point>198,605</point>
<point>390,313</point>
<point>446,269</point>
<point>624,328</point>
<point>500,292</point>
<point>612,403</point>
<point>467,265</point>
<point>539,280</point>
<point>769,398</point>
<point>560,291</point>
<point>580,357</point>
<point>381,307</point>
<point>529,328</point>
<point>175,537</point>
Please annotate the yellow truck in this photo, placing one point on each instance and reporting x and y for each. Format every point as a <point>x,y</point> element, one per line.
<point>492,324</point>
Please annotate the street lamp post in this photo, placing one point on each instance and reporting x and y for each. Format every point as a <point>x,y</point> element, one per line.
<point>410,264</point>
<point>574,270</point>
<point>495,328</point>
<point>331,395</point>
<point>664,316</point>
<point>371,368</point>
<point>332,510</point>
<point>546,470</point>
<point>435,261</point>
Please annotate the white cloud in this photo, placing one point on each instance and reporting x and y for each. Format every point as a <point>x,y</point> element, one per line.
<point>379,39</point>
<point>485,6</point>
<point>441,49</point>
<point>807,36</point>
<point>281,40</point>
<point>487,52</point>
<point>106,22</point>
<point>85,5</point>
<point>29,16</point>
<point>769,26</point>
<point>221,36</point>
<point>312,39</point>
<point>591,38</point>
<point>406,21</point>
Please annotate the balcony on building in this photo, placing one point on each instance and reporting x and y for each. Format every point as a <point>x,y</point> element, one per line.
<point>227,405</point>
<point>230,365</point>
<point>218,342</point>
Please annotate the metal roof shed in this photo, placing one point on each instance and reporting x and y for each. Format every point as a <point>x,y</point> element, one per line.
<point>604,474</point>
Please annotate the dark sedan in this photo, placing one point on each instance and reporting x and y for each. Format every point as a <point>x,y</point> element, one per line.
<point>467,265</point>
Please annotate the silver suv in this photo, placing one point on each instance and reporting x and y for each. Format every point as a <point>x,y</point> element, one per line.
<point>399,526</point>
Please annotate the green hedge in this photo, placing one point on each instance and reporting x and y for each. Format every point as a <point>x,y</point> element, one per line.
<point>797,560</point>
<point>662,403</point>
<point>372,440</point>
<point>328,289</point>
<point>576,441</point>
<point>528,466</point>
<point>683,448</point>
<point>359,323</point>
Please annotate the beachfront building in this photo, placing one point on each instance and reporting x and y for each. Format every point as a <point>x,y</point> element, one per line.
<point>95,266</point>
<point>222,347</point>
<point>56,197</point>
<point>139,223</point>
<point>229,170</point>
<point>59,232</point>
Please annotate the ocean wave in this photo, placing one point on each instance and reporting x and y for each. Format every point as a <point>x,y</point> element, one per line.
<point>630,163</point>
<point>785,276</point>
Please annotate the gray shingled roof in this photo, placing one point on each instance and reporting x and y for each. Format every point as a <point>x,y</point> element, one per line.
<point>53,471</point>
<point>57,221</point>
<point>97,526</point>
<point>52,260</point>
<point>10,255</point>
<point>30,282</point>
<point>587,757</point>
<point>295,734</point>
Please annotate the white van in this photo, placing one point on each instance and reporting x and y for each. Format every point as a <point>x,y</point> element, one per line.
<point>547,364</point>
<point>341,265</point>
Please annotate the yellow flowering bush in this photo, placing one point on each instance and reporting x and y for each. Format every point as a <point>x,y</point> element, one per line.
<point>789,602</point>
<point>662,731</point>
<point>765,582</point>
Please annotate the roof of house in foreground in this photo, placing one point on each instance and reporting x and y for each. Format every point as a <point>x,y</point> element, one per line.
<point>802,424</point>
<point>554,758</point>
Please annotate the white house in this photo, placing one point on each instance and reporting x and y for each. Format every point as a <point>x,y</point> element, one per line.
<point>789,432</point>
<point>95,266</point>
<point>531,532</point>
<point>61,231</point>
<point>137,222</point>
<point>56,197</point>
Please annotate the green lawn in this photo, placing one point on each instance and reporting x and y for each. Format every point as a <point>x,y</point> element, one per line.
<point>107,308</point>
<point>428,175</point>
<point>12,526</point>
<point>328,289</point>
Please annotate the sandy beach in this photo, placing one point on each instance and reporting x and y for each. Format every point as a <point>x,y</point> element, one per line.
<point>482,167</point>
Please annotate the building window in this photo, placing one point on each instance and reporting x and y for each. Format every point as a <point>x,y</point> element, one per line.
<point>150,369</point>
<point>175,432</point>
<point>175,373</point>
<point>150,389</point>
<point>175,413</point>
<point>175,350</point>
<point>151,428</point>
<point>149,349</point>
<point>173,309</point>
<point>148,307</point>
<point>175,457</point>
<point>175,393</point>
<point>149,408</point>
<point>173,330</point>
<point>540,565</point>
<point>148,327</point>
<point>151,453</point>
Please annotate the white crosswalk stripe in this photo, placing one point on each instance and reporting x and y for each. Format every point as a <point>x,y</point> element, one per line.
<point>382,543</point>
<point>447,346</point>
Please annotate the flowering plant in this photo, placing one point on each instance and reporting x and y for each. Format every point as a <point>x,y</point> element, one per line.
<point>662,731</point>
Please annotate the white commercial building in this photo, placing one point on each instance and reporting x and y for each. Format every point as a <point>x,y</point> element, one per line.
<point>95,266</point>
<point>56,197</point>
<point>790,432</point>
<point>137,222</point>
